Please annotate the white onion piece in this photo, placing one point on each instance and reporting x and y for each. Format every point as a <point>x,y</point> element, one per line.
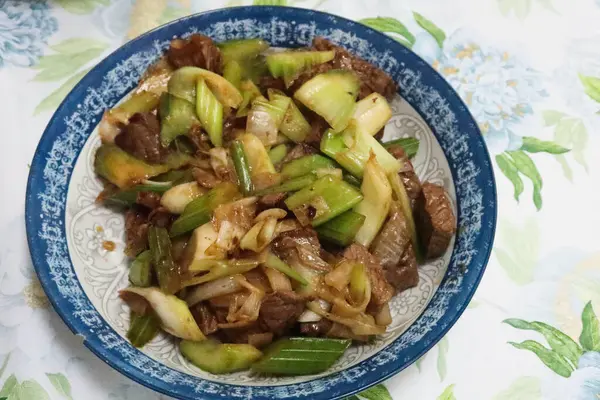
<point>208,290</point>
<point>310,316</point>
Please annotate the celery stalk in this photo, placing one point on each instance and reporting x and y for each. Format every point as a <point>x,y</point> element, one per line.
<point>289,64</point>
<point>342,229</point>
<point>177,116</point>
<point>375,205</point>
<point>372,113</point>
<point>210,113</point>
<point>291,185</point>
<point>305,165</point>
<point>242,49</point>
<point>332,95</point>
<point>136,103</point>
<point>265,117</point>
<point>249,93</point>
<point>294,125</point>
<point>278,153</point>
<point>140,272</point>
<point>167,271</point>
<point>232,71</point>
<point>258,157</point>
<point>183,85</point>
<point>217,358</point>
<point>142,329</point>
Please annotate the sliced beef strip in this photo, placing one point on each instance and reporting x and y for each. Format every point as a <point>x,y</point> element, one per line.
<point>141,138</point>
<point>268,82</point>
<point>280,310</point>
<point>136,231</point>
<point>372,78</point>
<point>407,174</point>
<point>406,274</point>
<point>316,329</point>
<point>161,218</point>
<point>196,51</point>
<point>381,290</point>
<point>298,151</point>
<point>205,178</point>
<point>300,244</point>
<point>272,200</point>
<point>241,335</point>
<point>150,200</point>
<point>205,318</point>
<point>436,223</point>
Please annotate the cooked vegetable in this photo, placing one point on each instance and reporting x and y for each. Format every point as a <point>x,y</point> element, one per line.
<point>332,95</point>
<point>121,168</point>
<point>289,64</point>
<point>232,71</point>
<point>301,356</point>
<point>376,202</point>
<point>401,195</point>
<point>177,117</point>
<point>242,169</point>
<point>128,197</point>
<point>216,288</point>
<point>140,272</point>
<point>199,210</point>
<point>183,85</point>
<point>249,93</point>
<point>178,197</point>
<point>142,329</point>
<point>265,117</point>
<point>294,125</point>
<point>306,165</point>
<point>325,199</point>
<point>352,149</point>
<point>260,235</point>
<point>136,103</point>
<point>174,315</point>
<point>242,49</point>
<point>261,167</point>
<point>290,185</point>
<point>410,145</point>
<point>342,229</point>
<point>167,271</point>
<point>372,113</point>
<point>203,238</point>
<point>272,261</point>
<point>218,358</point>
<point>210,112</point>
<point>278,153</point>
<point>222,268</point>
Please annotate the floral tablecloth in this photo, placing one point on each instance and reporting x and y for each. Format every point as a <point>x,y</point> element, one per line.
<point>529,70</point>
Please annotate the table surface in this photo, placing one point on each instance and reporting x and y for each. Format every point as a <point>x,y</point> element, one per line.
<point>529,71</point>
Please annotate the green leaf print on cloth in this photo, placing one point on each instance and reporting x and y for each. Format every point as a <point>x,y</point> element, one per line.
<point>377,392</point>
<point>447,394</point>
<point>590,333</point>
<point>569,132</point>
<point>81,6</point>
<point>29,390</point>
<point>71,55</point>
<point>552,359</point>
<point>9,385</point>
<point>61,384</point>
<point>431,28</point>
<point>270,2</point>
<point>391,25</point>
<point>521,8</point>
<point>517,249</point>
<point>442,367</point>
<point>523,388</point>
<point>591,85</point>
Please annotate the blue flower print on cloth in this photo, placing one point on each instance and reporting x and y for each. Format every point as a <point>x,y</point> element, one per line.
<point>498,89</point>
<point>25,27</point>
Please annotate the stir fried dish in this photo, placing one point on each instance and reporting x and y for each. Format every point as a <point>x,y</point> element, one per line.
<point>268,225</point>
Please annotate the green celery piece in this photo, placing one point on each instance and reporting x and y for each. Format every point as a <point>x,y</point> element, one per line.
<point>199,211</point>
<point>242,49</point>
<point>177,116</point>
<point>409,145</point>
<point>217,358</point>
<point>142,329</point>
<point>140,272</point>
<point>136,103</point>
<point>351,179</point>
<point>289,64</point>
<point>301,356</point>
<point>242,169</point>
<point>232,71</point>
<point>167,271</point>
<point>275,262</point>
<point>176,177</point>
<point>339,196</point>
<point>291,185</point>
<point>332,95</point>
<point>265,117</point>
<point>210,113</point>
<point>258,157</point>
<point>249,93</point>
<point>278,153</point>
<point>305,165</point>
<point>294,125</point>
<point>182,84</point>
<point>372,113</point>
<point>342,229</point>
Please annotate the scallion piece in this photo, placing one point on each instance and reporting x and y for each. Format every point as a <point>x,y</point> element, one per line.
<point>342,229</point>
<point>140,272</point>
<point>242,170</point>
<point>167,271</point>
<point>290,185</point>
<point>301,356</point>
<point>294,125</point>
<point>305,165</point>
<point>142,329</point>
<point>410,145</point>
<point>272,261</point>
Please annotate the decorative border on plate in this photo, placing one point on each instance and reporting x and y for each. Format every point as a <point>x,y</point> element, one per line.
<point>100,89</point>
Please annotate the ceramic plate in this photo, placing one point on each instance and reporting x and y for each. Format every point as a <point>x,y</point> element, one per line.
<point>67,229</point>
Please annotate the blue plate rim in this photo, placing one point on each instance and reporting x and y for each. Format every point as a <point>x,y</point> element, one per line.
<point>48,138</point>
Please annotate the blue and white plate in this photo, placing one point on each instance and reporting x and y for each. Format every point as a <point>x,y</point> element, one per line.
<point>68,231</point>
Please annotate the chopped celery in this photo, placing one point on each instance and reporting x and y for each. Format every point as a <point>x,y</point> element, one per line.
<point>177,116</point>
<point>210,113</point>
<point>351,179</point>
<point>217,358</point>
<point>178,197</point>
<point>121,168</point>
<point>140,272</point>
<point>301,356</point>
<point>174,314</point>
<point>232,71</point>
<point>342,229</point>
<point>289,64</point>
<point>272,261</point>
<point>167,271</point>
<point>265,117</point>
<point>242,169</point>
<point>328,196</point>
<point>294,125</point>
<point>376,203</point>
<point>400,193</point>
<point>183,85</point>
<point>278,153</point>
<point>305,165</point>
<point>242,49</point>
<point>258,157</point>
<point>199,210</point>
<point>136,103</point>
<point>220,269</point>
<point>142,329</point>
<point>409,145</point>
<point>249,93</point>
<point>289,185</point>
<point>352,148</point>
<point>372,113</point>
<point>332,95</point>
